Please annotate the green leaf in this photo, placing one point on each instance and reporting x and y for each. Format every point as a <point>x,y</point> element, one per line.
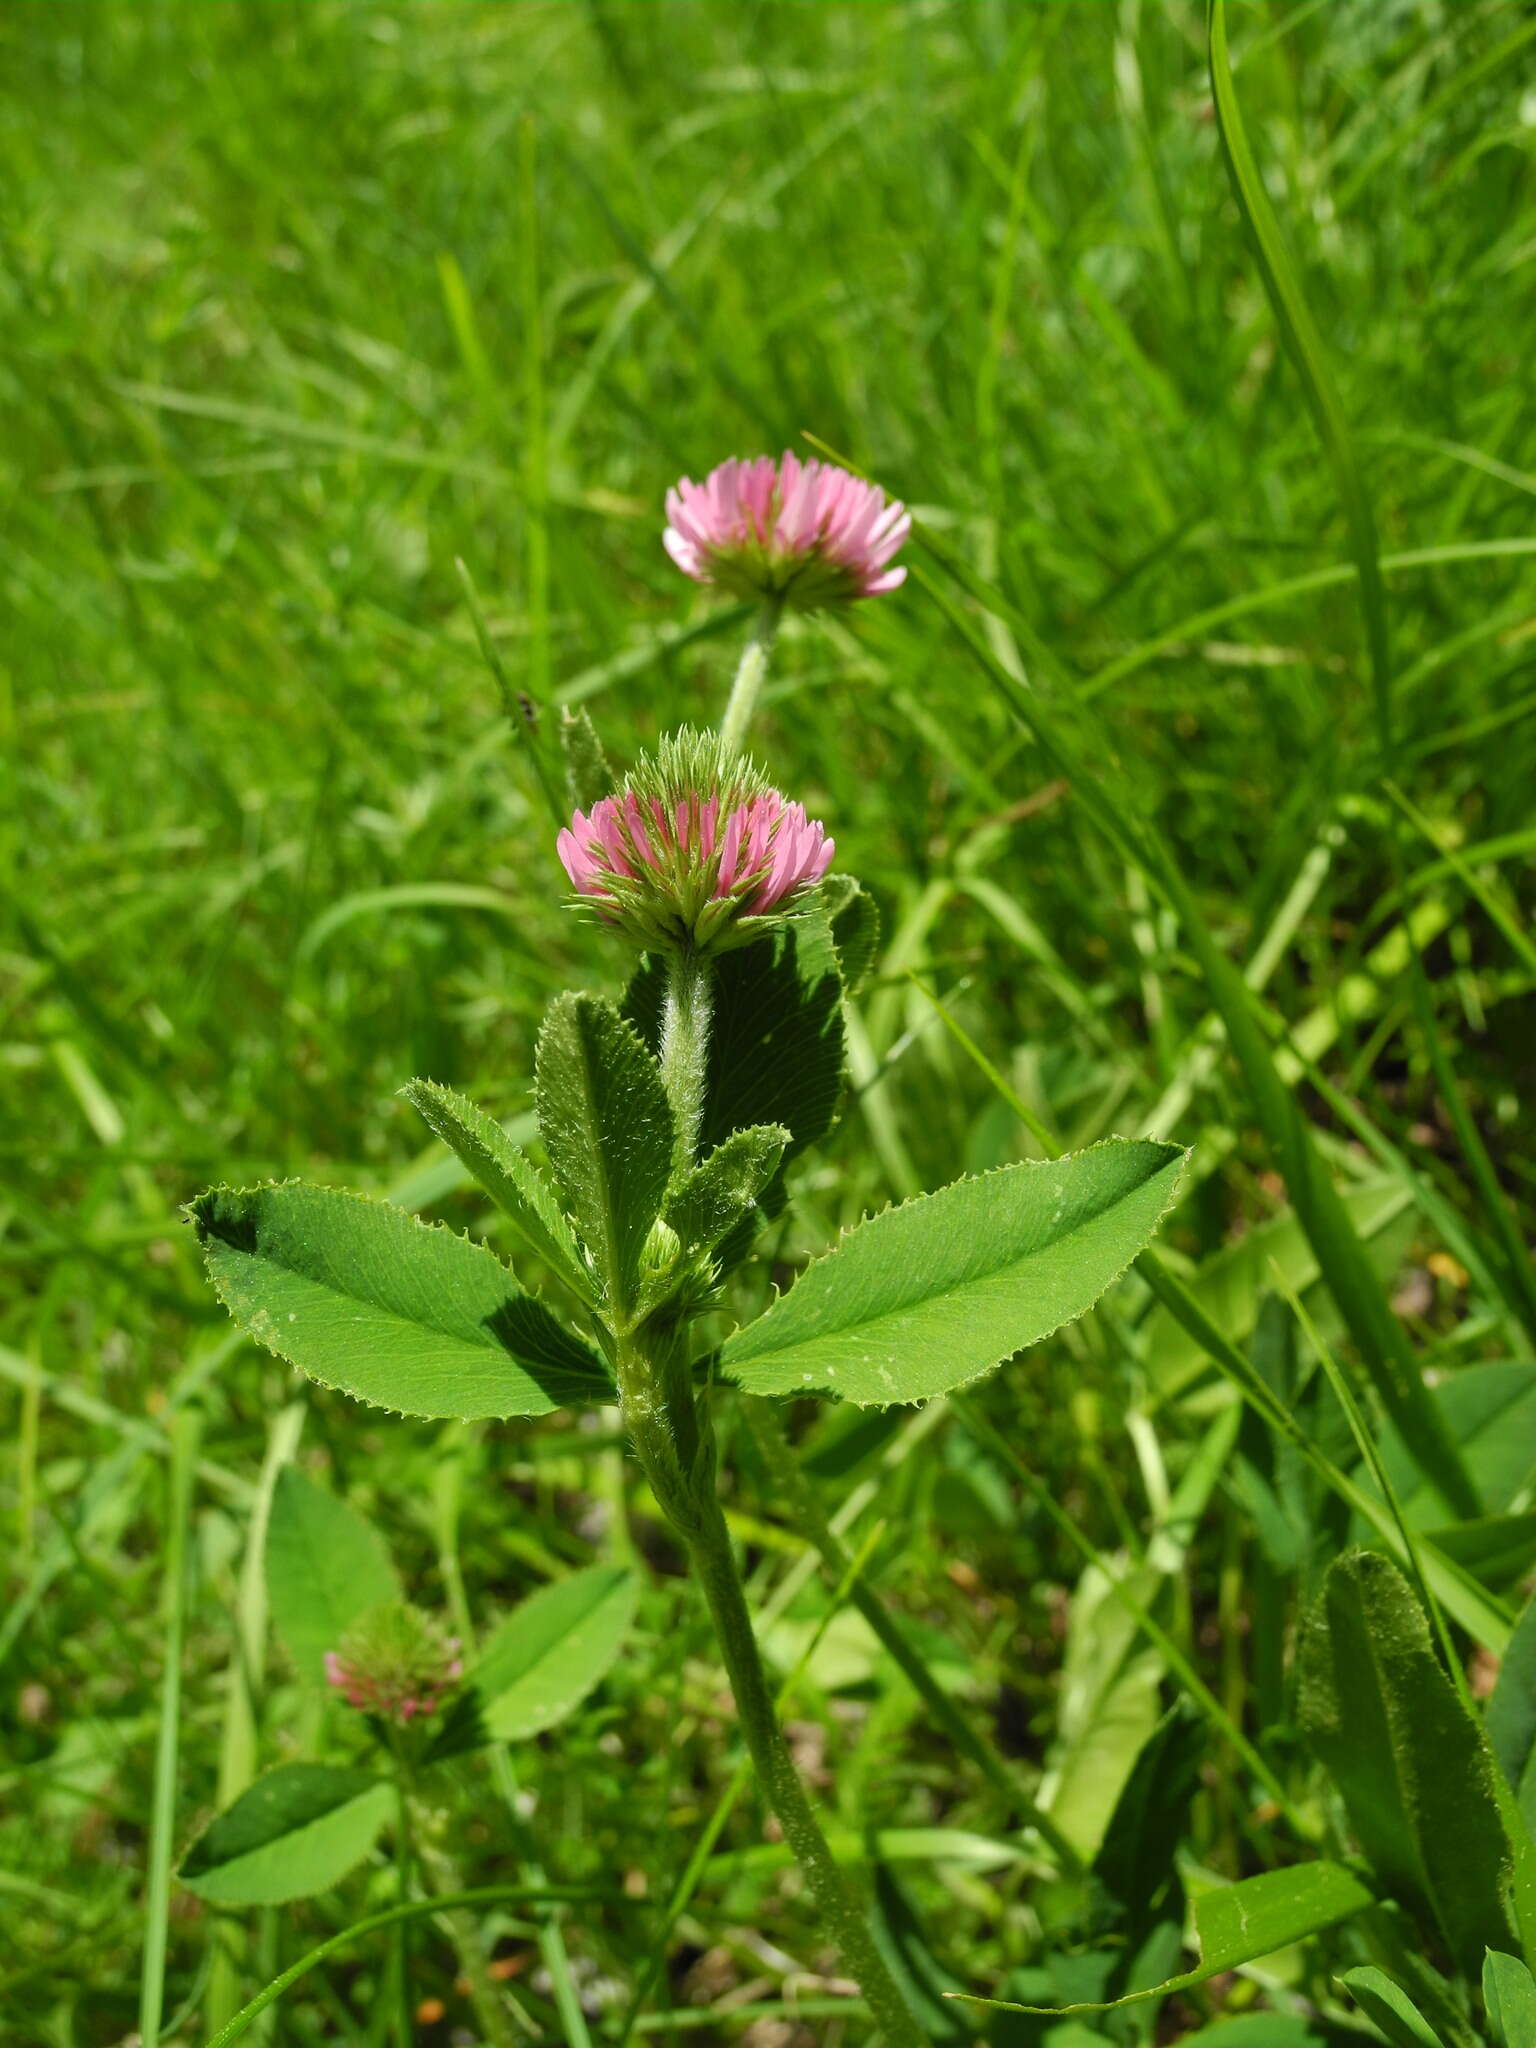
<point>1389,2008</point>
<point>1135,1872</point>
<point>1510,1716</point>
<point>404,1314</point>
<point>1412,1765</point>
<point>544,1659</point>
<point>1305,345</point>
<point>507,1176</point>
<point>296,1832</point>
<point>723,1190</point>
<point>325,1567</point>
<point>1509,1992</point>
<point>776,1036</point>
<point>1241,1923</point>
<point>855,920</point>
<point>925,1297</point>
<point>608,1130</point>
<point>1387,1357</point>
<point>406,896</point>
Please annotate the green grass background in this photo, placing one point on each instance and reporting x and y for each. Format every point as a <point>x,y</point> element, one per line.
<point>303,301</point>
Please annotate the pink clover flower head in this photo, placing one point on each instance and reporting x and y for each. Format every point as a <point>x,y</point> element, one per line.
<point>695,850</point>
<point>804,533</point>
<point>395,1662</point>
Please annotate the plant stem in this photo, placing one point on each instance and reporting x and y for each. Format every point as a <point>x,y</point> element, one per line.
<point>709,1546</point>
<point>798,1497</point>
<point>685,1047</point>
<point>674,1440</point>
<point>750,673</point>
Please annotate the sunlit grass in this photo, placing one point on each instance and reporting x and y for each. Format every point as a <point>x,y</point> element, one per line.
<point>280,347</point>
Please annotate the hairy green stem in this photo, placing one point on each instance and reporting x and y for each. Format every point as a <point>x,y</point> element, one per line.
<point>751,671</point>
<point>798,1497</point>
<point>673,1437</point>
<point>709,1546</point>
<point>685,1047</point>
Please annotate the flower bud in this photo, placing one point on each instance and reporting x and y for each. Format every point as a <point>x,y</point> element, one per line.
<point>395,1662</point>
<point>695,850</point>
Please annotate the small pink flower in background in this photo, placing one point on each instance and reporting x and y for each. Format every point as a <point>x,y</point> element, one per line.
<point>396,1662</point>
<point>806,533</point>
<point>696,850</point>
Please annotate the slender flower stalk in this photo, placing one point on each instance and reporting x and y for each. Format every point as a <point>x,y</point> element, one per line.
<point>751,673</point>
<point>685,1019</point>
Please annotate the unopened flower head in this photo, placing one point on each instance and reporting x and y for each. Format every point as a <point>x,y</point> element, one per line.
<point>695,850</point>
<point>805,533</point>
<point>395,1662</point>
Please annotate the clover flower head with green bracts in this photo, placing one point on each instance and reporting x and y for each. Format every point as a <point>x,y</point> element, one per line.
<point>804,534</point>
<point>694,851</point>
<point>395,1662</point>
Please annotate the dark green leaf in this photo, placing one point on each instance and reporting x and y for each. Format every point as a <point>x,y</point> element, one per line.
<point>325,1567</point>
<point>404,1314</point>
<point>294,1833</point>
<point>1262,2030</point>
<point>924,1981</point>
<point>1495,1549</point>
<point>925,1297</point>
<point>1135,1873</point>
<point>507,1176</point>
<point>608,1130</point>
<point>1414,1770</point>
<point>1490,1410</point>
<point>776,1040</point>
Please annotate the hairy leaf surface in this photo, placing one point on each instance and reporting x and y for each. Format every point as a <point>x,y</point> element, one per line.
<point>404,1314</point>
<point>925,1297</point>
<point>1413,1766</point>
<point>507,1175</point>
<point>608,1130</point>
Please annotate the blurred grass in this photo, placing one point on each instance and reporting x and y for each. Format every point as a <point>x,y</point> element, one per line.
<point>280,344</point>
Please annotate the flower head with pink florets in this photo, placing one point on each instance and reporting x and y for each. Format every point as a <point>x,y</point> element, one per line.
<point>695,850</point>
<point>395,1662</point>
<point>804,534</point>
